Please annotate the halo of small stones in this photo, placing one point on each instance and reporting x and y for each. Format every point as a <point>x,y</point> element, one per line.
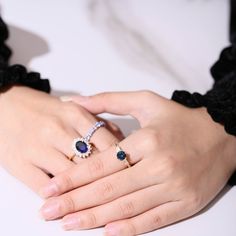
<point>77,152</point>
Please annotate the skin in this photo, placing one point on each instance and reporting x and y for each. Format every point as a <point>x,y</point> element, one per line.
<point>36,134</point>
<point>180,159</point>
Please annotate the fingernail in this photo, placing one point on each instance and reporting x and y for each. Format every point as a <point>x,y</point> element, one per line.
<point>48,191</point>
<point>111,230</point>
<point>66,98</point>
<point>50,210</point>
<point>70,223</point>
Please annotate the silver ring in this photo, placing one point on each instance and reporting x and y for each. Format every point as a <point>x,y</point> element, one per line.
<point>82,146</point>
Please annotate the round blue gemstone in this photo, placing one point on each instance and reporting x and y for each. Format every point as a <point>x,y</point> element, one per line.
<point>81,146</point>
<point>121,155</point>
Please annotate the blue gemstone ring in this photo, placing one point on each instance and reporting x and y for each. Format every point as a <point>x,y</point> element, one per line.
<point>82,146</point>
<point>121,155</point>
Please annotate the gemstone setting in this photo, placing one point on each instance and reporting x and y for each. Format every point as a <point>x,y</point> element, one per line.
<point>82,148</point>
<point>121,155</point>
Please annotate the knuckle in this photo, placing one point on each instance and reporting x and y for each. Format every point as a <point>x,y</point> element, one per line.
<point>129,228</point>
<point>51,126</point>
<point>168,169</point>
<point>65,183</point>
<point>68,204</point>
<point>126,209</point>
<point>91,220</point>
<point>157,221</point>
<point>96,168</point>
<point>150,139</point>
<point>73,110</point>
<point>105,191</point>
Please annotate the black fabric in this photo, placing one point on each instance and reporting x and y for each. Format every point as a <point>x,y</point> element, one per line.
<point>233,23</point>
<point>220,101</point>
<point>16,74</point>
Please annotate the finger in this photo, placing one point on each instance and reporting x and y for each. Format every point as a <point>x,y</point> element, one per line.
<point>54,163</point>
<point>119,103</point>
<point>153,219</point>
<point>83,121</point>
<point>62,140</point>
<point>101,165</point>
<point>103,190</point>
<point>122,208</point>
<point>31,176</point>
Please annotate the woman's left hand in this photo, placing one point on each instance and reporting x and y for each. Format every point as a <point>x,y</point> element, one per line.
<point>180,159</point>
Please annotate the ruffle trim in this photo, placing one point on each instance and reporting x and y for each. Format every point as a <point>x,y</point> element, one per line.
<point>16,74</point>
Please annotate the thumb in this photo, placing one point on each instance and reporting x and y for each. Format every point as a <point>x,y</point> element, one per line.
<point>118,103</point>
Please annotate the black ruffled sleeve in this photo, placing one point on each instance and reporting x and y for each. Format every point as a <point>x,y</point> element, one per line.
<point>220,101</point>
<point>16,74</point>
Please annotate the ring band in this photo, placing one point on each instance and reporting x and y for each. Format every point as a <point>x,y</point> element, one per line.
<point>121,155</point>
<point>82,146</point>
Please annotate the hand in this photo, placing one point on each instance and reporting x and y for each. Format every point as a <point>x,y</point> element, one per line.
<point>37,131</point>
<point>181,160</point>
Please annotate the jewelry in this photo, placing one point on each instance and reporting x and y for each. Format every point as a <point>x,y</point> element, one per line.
<point>81,146</point>
<point>121,155</point>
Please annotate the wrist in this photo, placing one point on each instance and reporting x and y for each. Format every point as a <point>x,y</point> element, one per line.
<point>223,141</point>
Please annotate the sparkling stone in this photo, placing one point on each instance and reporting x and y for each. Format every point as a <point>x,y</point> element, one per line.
<point>121,155</point>
<point>81,146</point>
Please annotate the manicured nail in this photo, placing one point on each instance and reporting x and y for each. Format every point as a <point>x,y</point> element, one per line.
<point>70,223</point>
<point>49,191</point>
<point>50,210</point>
<point>111,230</point>
<point>66,98</point>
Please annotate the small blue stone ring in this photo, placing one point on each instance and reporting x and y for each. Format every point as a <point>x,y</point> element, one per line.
<point>82,146</point>
<point>121,155</point>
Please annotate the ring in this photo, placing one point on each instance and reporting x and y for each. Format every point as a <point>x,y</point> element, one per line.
<point>81,146</point>
<point>121,155</point>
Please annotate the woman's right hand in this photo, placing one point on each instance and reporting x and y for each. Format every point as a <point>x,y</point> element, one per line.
<point>36,134</point>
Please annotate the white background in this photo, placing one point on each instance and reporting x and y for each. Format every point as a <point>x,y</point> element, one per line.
<point>98,45</point>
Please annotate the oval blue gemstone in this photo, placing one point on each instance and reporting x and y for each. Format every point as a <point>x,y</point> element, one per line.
<point>81,146</point>
<point>121,155</point>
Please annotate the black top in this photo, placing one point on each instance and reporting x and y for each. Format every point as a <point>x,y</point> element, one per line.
<point>16,74</point>
<point>220,101</point>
